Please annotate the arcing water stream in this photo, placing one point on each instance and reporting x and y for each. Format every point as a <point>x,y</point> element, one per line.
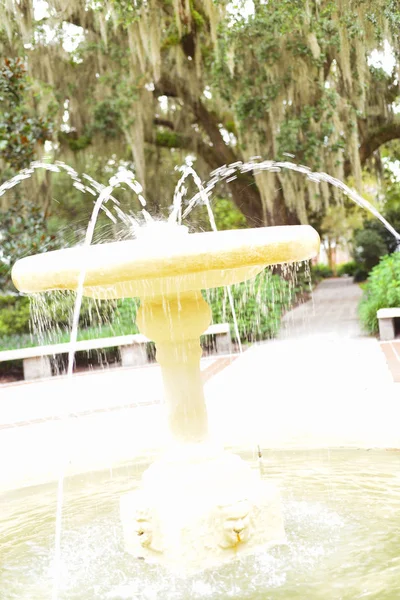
<point>227,173</point>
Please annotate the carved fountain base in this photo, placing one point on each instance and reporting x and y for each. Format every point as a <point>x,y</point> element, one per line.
<point>199,507</point>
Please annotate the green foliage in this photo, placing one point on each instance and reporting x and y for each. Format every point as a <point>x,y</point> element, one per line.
<point>299,136</point>
<point>348,268</point>
<point>54,311</point>
<point>127,11</point>
<point>226,215</point>
<point>369,247</point>
<point>282,37</point>
<point>52,316</point>
<point>14,315</point>
<point>168,139</point>
<point>253,107</point>
<point>13,341</point>
<point>22,226</point>
<point>259,305</point>
<point>320,271</point>
<point>360,275</point>
<point>76,143</point>
<point>117,110</point>
<point>392,215</point>
<point>22,231</point>
<point>284,79</point>
<point>124,319</point>
<point>20,131</point>
<point>106,119</point>
<point>197,18</point>
<point>373,240</point>
<point>382,291</point>
<point>171,40</point>
<point>339,223</point>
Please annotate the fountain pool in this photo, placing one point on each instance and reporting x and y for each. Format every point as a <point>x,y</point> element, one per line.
<point>341,512</point>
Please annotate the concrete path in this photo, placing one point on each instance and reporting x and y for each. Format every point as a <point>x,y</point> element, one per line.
<point>92,421</point>
<point>332,313</point>
<point>321,384</point>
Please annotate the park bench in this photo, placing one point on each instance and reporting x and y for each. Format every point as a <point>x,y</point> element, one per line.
<point>389,323</point>
<point>133,349</point>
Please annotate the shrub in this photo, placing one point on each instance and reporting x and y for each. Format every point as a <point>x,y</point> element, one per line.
<point>14,315</point>
<point>226,215</point>
<point>258,304</point>
<point>393,217</point>
<point>125,316</point>
<point>52,316</point>
<point>348,268</point>
<point>320,271</point>
<point>13,341</point>
<point>369,247</point>
<point>360,275</point>
<point>381,291</point>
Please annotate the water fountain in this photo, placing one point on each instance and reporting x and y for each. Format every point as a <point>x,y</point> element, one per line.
<point>198,505</point>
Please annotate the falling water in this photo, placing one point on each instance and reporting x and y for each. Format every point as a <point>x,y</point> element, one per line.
<point>123,176</point>
<point>180,190</point>
<point>104,194</point>
<point>176,215</point>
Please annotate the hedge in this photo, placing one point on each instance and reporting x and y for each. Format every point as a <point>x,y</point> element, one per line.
<point>382,290</point>
<point>259,305</point>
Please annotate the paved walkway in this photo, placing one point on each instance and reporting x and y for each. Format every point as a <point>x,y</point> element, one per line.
<point>332,313</point>
<point>322,384</point>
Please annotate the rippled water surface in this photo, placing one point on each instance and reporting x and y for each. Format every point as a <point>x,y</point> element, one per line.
<point>342,511</point>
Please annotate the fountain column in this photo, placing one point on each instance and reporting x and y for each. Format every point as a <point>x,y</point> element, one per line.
<point>175,323</point>
<point>198,505</point>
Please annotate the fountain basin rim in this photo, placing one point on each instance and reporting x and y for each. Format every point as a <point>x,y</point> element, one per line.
<point>149,266</point>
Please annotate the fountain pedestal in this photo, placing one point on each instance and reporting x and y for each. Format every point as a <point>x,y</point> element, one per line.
<point>198,505</point>
<point>175,323</point>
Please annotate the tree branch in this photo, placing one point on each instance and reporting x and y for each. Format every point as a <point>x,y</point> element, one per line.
<point>79,19</point>
<point>245,193</point>
<point>165,87</point>
<point>377,137</point>
<point>164,123</point>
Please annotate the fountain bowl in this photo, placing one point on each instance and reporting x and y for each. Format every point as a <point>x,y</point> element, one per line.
<point>166,259</point>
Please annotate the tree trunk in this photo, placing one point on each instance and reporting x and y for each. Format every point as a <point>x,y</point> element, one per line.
<point>246,197</point>
<point>280,214</point>
<point>330,252</point>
